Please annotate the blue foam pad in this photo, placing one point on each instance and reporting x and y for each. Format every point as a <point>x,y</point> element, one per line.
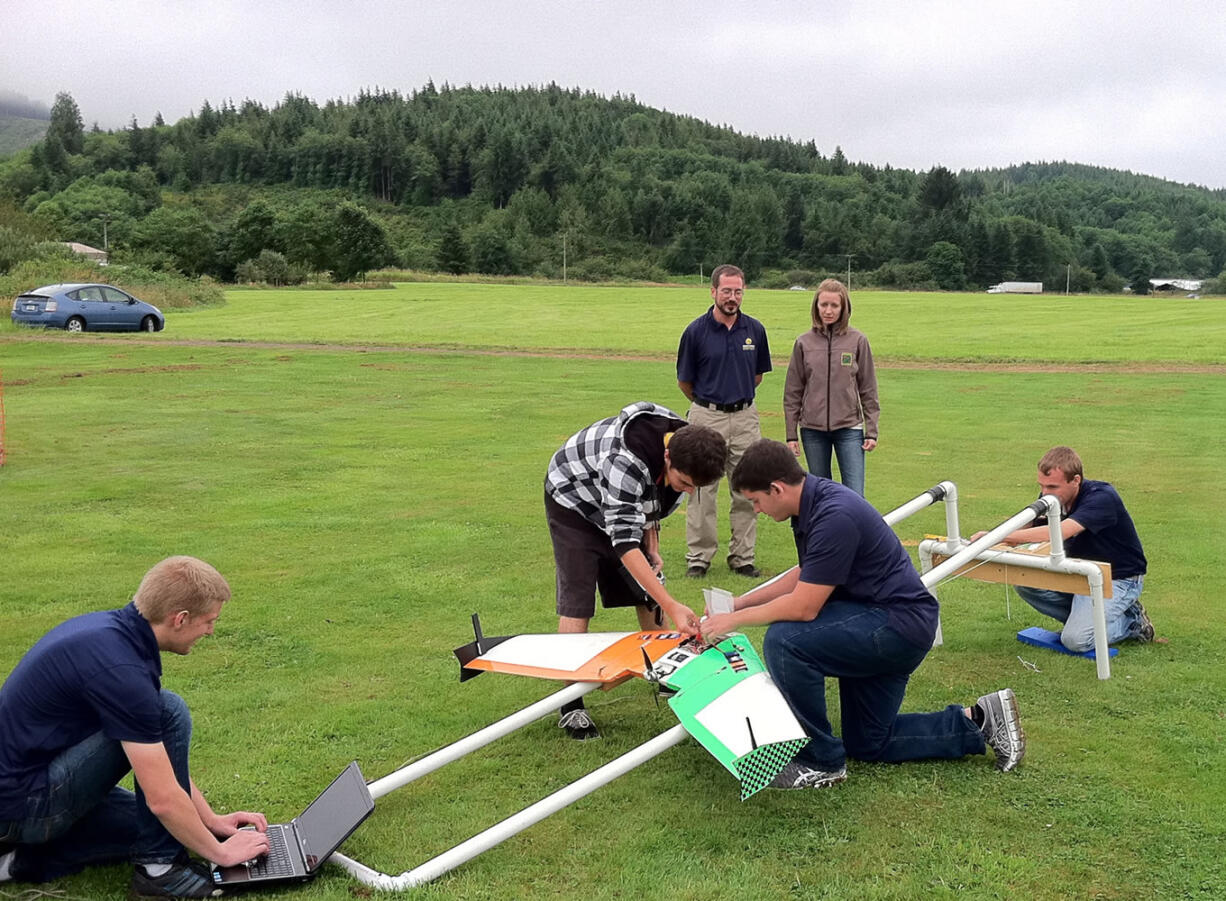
<point>1045,638</point>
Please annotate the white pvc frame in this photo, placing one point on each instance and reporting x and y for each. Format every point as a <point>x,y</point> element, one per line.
<point>1055,561</point>
<point>603,775</point>
<point>516,823</point>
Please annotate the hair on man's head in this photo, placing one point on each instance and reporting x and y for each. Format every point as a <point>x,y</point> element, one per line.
<point>1064,459</point>
<point>699,452</point>
<point>180,583</point>
<point>726,269</point>
<point>766,461</point>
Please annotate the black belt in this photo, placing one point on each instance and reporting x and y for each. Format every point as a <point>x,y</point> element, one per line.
<point>723,408</point>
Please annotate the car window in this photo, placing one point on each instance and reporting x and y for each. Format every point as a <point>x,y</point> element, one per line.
<point>90,293</point>
<point>114,295</point>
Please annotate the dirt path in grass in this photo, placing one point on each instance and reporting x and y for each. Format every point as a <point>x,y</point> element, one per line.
<point>1158,367</point>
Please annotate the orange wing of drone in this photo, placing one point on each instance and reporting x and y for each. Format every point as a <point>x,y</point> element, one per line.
<point>606,657</point>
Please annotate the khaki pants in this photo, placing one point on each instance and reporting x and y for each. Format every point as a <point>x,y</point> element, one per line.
<point>701,529</point>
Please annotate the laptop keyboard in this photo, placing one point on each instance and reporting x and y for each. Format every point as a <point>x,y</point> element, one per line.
<point>277,861</point>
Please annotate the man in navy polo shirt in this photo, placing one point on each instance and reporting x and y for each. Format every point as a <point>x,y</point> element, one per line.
<point>720,362</point>
<point>1095,526</point>
<point>83,708</point>
<point>854,609</point>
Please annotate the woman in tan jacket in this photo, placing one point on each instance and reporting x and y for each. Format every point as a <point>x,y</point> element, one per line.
<point>830,395</point>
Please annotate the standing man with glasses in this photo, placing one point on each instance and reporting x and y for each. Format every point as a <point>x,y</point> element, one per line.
<point>721,359</point>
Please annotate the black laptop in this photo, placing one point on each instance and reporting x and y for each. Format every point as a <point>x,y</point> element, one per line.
<point>298,848</point>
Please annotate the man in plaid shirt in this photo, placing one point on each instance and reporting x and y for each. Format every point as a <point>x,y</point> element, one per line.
<point>606,490</point>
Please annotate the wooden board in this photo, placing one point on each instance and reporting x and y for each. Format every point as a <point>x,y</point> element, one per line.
<point>1022,575</point>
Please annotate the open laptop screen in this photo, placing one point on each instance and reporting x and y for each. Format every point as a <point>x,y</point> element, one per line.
<point>333,815</point>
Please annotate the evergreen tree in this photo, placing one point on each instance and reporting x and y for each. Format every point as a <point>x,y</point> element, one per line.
<point>946,265</point>
<point>452,250</point>
<point>254,230</point>
<point>490,246</point>
<point>940,190</point>
<point>361,243</point>
<point>1098,262</point>
<point>66,124</point>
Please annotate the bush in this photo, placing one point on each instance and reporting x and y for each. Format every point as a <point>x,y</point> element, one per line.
<point>641,270</point>
<point>592,269</point>
<point>805,277</point>
<point>247,273</point>
<point>902,276</point>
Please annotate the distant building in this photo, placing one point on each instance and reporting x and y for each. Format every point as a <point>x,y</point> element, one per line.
<point>1175,284</point>
<point>90,253</point>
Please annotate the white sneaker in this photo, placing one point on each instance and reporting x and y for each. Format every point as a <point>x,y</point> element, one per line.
<point>1002,728</point>
<point>797,775</point>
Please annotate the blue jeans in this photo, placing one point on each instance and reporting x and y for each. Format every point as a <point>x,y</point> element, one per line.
<point>848,446</point>
<point>852,643</point>
<point>82,817</point>
<point>1076,611</point>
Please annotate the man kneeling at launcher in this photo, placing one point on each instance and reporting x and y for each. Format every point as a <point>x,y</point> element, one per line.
<point>606,490</point>
<point>854,609</point>
<point>1095,525</point>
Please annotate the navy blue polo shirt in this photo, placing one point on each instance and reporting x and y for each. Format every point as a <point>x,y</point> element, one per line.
<point>100,672</point>
<point>723,363</point>
<point>842,540</point>
<point>1109,536</point>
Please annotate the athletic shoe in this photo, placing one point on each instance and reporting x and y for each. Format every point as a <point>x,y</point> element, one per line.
<point>1002,728</point>
<point>697,571</point>
<point>797,775</point>
<point>747,569</point>
<point>578,725</point>
<point>182,880</point>
<point>1147,626</point>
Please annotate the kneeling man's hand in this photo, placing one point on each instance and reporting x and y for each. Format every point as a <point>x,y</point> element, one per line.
<point>717,626</point>
<point>243,845</point>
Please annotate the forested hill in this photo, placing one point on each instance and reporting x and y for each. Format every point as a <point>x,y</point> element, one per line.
<point>500,180</point>
<point>17,132</point>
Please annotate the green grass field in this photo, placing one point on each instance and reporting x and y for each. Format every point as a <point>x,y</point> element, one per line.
<point>365,500</point>
<point>648,321</point>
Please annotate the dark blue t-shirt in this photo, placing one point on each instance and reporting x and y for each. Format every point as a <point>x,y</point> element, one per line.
<point>842,540</point>
<point>1109,536</point>
<point>100,672</point>
<point>723,363</point>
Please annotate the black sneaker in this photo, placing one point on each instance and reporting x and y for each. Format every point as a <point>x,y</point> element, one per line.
<point>697,571</point>
<point>578,725</point>
<point>747,569</point>
<point>1147,626</point>
<point>797,775</point>
<point>1002,728</point>
<point>182,880</point>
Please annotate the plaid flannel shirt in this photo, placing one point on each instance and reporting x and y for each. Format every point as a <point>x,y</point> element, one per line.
<point>597,476</point>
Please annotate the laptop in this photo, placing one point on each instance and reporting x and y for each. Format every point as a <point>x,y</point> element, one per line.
<point>297,849</point>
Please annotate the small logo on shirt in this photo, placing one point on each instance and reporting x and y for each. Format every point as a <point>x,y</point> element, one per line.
<point>849,359</point>
<point>748,345</point>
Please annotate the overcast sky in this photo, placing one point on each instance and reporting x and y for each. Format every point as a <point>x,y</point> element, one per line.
<point>1130,85</point>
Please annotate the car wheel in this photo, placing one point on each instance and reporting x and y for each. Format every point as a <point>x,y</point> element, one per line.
<point>75,324</point>
<point>148,324</point>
